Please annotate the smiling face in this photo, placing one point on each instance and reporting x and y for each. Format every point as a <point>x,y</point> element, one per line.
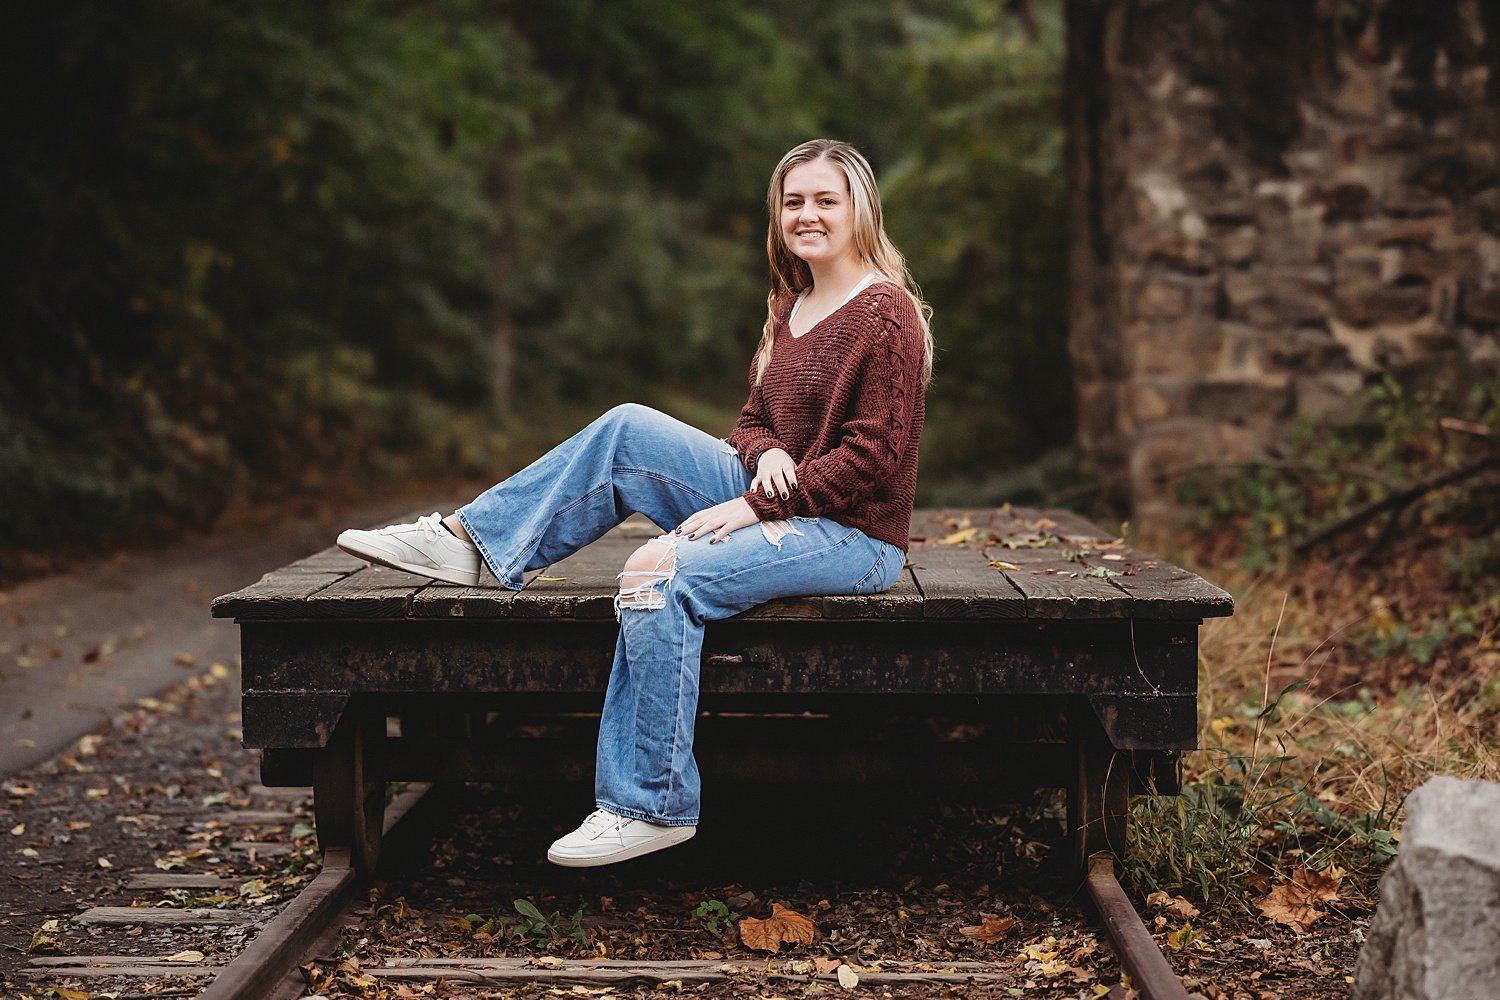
<point>817,214</point>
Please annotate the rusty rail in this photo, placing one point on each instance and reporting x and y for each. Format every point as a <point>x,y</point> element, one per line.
<point>285,942</point>
<point>1141,959</point>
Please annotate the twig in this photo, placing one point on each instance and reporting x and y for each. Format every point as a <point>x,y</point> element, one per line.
<point>1397,500</point>
<point>1466,427</point>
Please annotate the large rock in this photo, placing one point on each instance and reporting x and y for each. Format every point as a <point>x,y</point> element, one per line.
<point>1436,933</point>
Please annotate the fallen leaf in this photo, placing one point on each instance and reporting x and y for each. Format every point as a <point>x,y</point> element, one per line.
<point>1294,903</point>
<point>783,925</point>
<point>1177,906</point>
<point>18,830</point>
<point>67,994</point>
<point>990,928</point>
<point>1181,938</point>
<point>1002,564</point>
<point>42,944</point>
<point>184,659</point>
<point>105,863</point>
<point>959,537</point>
<point>848,978</point>
<point>185,958</point>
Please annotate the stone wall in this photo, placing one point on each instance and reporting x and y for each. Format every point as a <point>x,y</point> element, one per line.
<point>1273,204</point>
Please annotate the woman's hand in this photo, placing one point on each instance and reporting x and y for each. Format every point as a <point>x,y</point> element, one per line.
<point>775,473</point>
<point>723,519</point>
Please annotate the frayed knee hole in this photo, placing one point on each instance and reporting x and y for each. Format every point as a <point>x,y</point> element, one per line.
<point>640,587</point>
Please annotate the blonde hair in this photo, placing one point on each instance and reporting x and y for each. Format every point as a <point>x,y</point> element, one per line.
<point>790,273</point>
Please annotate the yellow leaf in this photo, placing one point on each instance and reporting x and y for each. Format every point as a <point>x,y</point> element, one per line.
<point>959,537</point>
<point>18,830</point>
<point>185,958</point>
<point>1180,938</point>
<point>1002,564</point>
<point>848,978</point>
<point>105,863</point>
<point>67,994</point>
<point>41,944</point>
<point>783,925</point>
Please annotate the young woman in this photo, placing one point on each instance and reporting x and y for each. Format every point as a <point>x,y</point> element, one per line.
<point>811,493</point>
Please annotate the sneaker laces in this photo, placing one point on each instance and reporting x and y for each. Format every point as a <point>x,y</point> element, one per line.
<point>601,821</point>
<point>431,525</point>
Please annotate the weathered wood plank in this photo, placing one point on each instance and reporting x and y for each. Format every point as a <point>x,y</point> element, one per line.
<point>581,586</point>
<point>161,915</point>
<point>179,880</point>
<point>1065,524</point>
<point>1162,590</point>
<point>638,973</point>
<point>957,582</point>
<point>332,584</point>
<point>128,966</point>
<point>902,600</point>
<point>1052,587</point>
<point>372,592</point>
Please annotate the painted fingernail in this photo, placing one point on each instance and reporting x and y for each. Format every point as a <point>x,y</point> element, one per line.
<point>768,494</point>
<point>784,494</point>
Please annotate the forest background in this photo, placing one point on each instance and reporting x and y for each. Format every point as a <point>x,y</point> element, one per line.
<point>270,251</point>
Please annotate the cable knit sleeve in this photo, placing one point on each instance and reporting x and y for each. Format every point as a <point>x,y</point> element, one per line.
<point>877,427</point>
<point>752,433</point>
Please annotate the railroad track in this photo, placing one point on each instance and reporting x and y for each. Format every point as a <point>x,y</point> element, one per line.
<point>266,965</point>
<point>307,927</point>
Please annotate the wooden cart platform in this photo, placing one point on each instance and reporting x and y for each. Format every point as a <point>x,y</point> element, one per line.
<point>1058,656</point>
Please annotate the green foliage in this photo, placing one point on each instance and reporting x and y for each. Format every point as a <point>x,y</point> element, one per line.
<point>286,248</point>
<point>1394,437</point>
<point>544,931</point>
<point>1250,819</point>
<point>715,913</point>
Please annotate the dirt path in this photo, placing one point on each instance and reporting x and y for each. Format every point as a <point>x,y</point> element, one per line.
<point>74,648</point>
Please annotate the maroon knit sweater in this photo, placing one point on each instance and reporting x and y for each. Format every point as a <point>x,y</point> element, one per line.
<point>845,400</point>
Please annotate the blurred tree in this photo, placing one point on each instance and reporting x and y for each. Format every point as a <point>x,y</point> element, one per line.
<point>977,202</point>
<point>278,247</point>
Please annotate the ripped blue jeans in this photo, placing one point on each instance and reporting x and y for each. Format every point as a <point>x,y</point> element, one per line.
<point>631,459</point>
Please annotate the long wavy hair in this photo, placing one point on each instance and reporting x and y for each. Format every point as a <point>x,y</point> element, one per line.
<point>790,274</point>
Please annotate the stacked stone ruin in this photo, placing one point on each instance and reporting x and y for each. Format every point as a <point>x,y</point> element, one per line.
<point>1274,205</point>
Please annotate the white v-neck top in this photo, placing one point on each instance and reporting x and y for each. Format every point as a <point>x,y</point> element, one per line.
<point>859,286</point>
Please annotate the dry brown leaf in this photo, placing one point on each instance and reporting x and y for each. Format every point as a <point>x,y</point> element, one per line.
<point>823,966</point>
<point>990,928</point>
<point>1175,906</point>
<point>185,958</point>
<point>783,925</point>
<point>1294,903</point>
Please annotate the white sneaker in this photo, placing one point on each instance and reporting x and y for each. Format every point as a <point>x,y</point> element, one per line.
<point>605,838</point>
<point>425,548</point>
